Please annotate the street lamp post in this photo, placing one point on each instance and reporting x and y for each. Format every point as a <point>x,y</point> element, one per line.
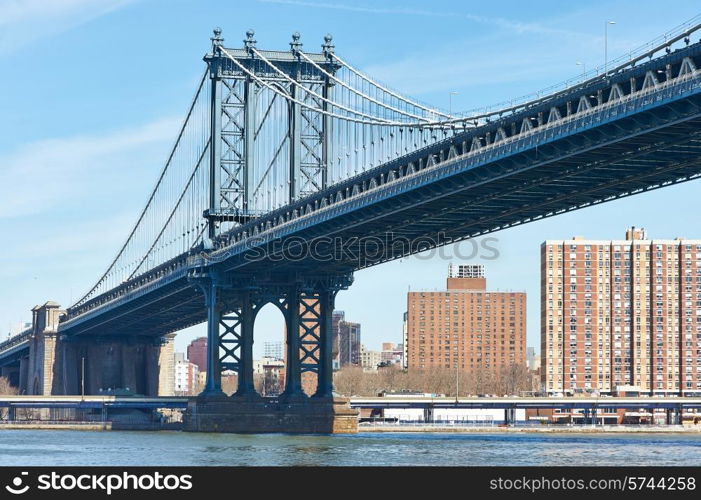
<point>82,377</point>
<point>450,102</point>
<point>457,376</point>
<point>584,67</point>
<point>606,44</point>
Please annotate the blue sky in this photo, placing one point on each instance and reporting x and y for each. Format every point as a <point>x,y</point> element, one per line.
<point>93,91</point>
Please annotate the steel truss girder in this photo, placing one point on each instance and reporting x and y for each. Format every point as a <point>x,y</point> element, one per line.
<point>310,331</point>
<point>401,202</point>
<point>230,339</point>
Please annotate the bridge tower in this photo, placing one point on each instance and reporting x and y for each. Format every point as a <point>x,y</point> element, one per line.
<point>264,152</point>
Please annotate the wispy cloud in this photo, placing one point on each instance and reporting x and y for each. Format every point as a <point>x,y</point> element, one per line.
<point>26,21</point>
<point>498,22</point>
<point>74,246</point>
<point>479,66</point>
<point>67,203</point>
<point>39,176</point>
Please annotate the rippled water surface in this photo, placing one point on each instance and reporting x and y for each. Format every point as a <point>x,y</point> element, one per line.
<point>25,447</point>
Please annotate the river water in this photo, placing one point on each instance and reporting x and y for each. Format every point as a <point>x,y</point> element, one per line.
<point>121,448</point>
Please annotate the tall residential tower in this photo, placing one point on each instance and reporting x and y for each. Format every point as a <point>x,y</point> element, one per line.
<point>621,313</point>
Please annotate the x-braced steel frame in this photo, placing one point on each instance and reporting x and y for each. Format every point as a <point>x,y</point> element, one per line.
<point>256,135</point>
<point>231,311</point>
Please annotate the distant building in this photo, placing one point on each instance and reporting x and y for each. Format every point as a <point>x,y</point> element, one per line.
<point>466,326</point>
<point>166,363</point>
<point>185,375</point>
<point>405,342</point>
<point>18,328</point>
<point>348,343</point>
<point>336,318</point>
<point>197,353</point>
<point>530,356</point>
<point>369,359</point>
<point>201,382</point>
<point>392,354</point>
<point>272,373</point>
<point>621,313</point>
<point>273,350</point>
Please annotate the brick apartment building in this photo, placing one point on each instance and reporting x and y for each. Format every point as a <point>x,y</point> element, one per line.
<point>621,313</point>
<point>466,325</point>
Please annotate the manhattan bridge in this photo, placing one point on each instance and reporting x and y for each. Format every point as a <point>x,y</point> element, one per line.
<point>293,169</point>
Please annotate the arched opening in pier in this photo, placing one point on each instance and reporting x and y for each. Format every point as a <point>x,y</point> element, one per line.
<point>269,348</point>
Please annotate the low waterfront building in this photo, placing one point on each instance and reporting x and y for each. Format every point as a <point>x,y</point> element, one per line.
<point>185,375</point>
<point>369,360</point>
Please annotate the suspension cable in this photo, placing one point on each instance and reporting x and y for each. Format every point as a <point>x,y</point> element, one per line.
<point>172,212</point>
<point>311,92</point>
<point>390,92</point>
<point>358,92</point>
<point>153,192</point>
<point>318,110</point>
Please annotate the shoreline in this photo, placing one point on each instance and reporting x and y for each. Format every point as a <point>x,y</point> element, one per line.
<point>610,429</point>
<point>405,429</point>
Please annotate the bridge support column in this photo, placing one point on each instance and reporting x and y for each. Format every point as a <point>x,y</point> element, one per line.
<point>23,375</point>
<point>508,416</point>
<point>99,364</point>
<point>213,381</point>
<point>293,369</point>
<point>428,414</point>
<point>246,387</point>
<point>324,388</point>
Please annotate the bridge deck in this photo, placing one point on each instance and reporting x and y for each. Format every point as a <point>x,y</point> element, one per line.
<point>647,139</point>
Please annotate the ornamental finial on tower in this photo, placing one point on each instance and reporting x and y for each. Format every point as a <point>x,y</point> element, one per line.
<point>249,42</point>
<point>295,44</point>
<point>327,46</point>
<point>216,39</point>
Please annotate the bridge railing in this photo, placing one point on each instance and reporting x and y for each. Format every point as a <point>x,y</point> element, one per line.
<point>662,42</point>
<point>15,340</point>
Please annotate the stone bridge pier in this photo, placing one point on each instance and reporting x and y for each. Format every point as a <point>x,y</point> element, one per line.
<point>92,365</point>
<point>104,364</point>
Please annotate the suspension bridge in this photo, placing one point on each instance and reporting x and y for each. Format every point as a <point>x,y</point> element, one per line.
<point>293,169</point>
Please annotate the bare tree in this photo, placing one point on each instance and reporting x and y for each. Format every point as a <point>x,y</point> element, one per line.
<point>510,379</point>
<point>349,381</point>
<point>513,379</point>
<point>6,388</point>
